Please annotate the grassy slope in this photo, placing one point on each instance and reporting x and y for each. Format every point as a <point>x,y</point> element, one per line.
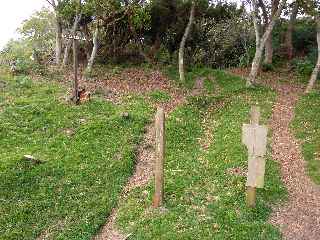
<point>307,128</point>
<point>70,195</point>
<point>203,201</point>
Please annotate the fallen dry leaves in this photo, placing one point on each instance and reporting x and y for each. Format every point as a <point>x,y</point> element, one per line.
<point>299,218</point>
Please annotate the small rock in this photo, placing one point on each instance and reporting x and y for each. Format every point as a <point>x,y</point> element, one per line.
<point>32,159</point>
<point>125,115</point>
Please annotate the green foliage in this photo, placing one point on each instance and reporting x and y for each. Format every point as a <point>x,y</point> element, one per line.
<point>39,33</point>
<point>303,67</point>
<point>23,81</point>
<point>306,127</point>
<point>159,96</point>
<point>141,18</point>
<point>16,49</point>
<point>88,153</point>
<point>34,49</point>
<point>304,36</point>
<point>246,58</point>
<point>221,43</point>
<point>23,66</point>
<point>266,67</point>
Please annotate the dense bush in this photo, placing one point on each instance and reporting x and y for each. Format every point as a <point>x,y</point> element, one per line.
<point>304,66</point>
<point>304,36</point>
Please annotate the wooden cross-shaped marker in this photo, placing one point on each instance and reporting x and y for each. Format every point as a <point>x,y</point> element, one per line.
<point>254,136</point>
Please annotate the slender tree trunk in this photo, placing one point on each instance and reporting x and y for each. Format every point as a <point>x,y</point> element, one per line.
<point>155,48</point>
<point>315,72</point>
<point>269,42</point>
<point>259,49</point>
<point>58,41</point>
<point>88,45</point>
<point>183,43</point>
<point>94,50</point>
<point>58,26</point>
<point>288,40</point>
<point>69,42</point>
<point>268,50</point>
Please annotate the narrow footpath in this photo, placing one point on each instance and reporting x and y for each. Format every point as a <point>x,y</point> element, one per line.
<point>299,218</point>
<point>144,165</point>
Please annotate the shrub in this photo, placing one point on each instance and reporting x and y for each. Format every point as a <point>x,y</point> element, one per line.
<point>22,66</point>
<point>23,81</point>
<point>159,96</point>
<point>267,67</point>
<point>303,67</point>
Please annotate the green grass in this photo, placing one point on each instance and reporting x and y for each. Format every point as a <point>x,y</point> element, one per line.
<point>216,81</point>
<point>202,199</point>
<point>159,96</point>
<point>306,126</point>
<point>88,153</point>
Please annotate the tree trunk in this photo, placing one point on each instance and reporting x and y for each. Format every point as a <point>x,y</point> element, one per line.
<point>94,50</point>
<point>259,49</point>
<point>269,42</point>
<point>315,72</point>
<point>268,50</point>
<point>69,42</point>
<point>58,41</point>
<point>183,43</point>
<point>88,45</point>
<point>155,48</point>
<point>58,31</point>
<point>288,41</point>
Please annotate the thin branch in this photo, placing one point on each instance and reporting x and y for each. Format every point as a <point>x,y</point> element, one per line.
<point>51,3</point>
<point>264,11</point>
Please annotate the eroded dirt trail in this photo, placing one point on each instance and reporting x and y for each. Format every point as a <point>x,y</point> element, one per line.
<point>299,218</point>
<point>140,177</point>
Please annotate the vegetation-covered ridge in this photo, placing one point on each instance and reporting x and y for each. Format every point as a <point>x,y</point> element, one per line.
<point>205,173</point>
<point>87,153</point>
<point>306,129</point>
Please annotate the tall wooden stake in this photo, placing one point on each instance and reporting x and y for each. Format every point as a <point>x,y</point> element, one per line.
<point>75,66</point>
<point>159,161</point>
<point>251,191</point>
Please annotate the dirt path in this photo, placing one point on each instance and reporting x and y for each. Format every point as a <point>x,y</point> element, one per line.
<point>144,164</point>
<point>299,218</point>
<point>141,176</point>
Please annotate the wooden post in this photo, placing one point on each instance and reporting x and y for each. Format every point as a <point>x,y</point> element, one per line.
<point>251,197</point>
<point>159,161</point>
<point>75,66</point>
<point>251,191</point>
<point>255,115</point>
<point>75,38</point>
